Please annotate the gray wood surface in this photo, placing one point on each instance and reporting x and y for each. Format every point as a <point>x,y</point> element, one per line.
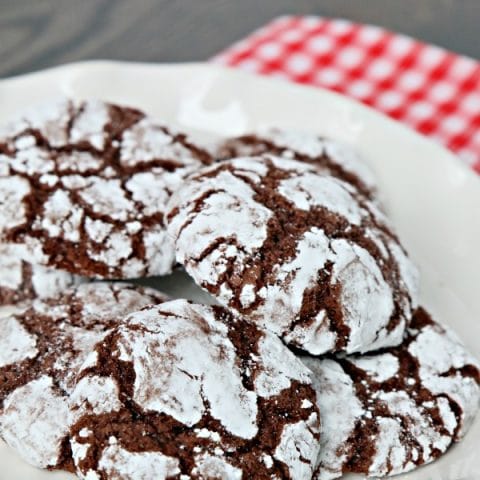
<point>35,34</point>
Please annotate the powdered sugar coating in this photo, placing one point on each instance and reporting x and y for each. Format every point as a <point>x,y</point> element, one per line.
<point>387,413</point>
<point>300,253</point>
<point>34,421</point>
<point>95,179</point>
<point>218,388</point>
<point>117,462</point>
<point>14,189</point>
<point>295,449</point>
<point>329,156</point>
<point>16,343</point>
<point>42,349</point>
<point>22,280</point>
<point>192,371</point>
<point>209,466</point>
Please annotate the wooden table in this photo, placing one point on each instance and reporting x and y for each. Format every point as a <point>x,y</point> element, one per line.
<point>35,34</point>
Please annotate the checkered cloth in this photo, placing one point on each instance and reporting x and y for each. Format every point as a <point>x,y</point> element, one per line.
<point>430,89</point>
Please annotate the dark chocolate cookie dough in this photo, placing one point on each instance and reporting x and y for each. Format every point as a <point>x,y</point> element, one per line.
<point>22,280</point>
<point>186,391</point>
<point>300,253</point>
<point>331,157</point>
<point>84,185</point>
<point>387,413</point>
<point>41,349</point>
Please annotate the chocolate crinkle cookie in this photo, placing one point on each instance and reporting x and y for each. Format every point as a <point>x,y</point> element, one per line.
<point>84,185</point>
<point>22,280</point>
<point>298,252</point>
<point>187,391</point>
<point>331,157</point>
<point>41,349</point>
<point>389,412</point>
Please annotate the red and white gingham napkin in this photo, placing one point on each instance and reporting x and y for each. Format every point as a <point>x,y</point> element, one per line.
<point>430,89</point>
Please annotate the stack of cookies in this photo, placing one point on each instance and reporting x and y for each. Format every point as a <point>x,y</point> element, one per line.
<point>312,359</point>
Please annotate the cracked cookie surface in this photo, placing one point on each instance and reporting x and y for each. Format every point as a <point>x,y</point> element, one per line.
<point>41,348</point>
<point>329,156</point>
<point>84,185</point>
<point>300,253</point>
<point>22,280</point>
<point>389,412</point>
<point>183,390</point>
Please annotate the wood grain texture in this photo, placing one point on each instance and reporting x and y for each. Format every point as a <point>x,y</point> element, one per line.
<point>35,34</point>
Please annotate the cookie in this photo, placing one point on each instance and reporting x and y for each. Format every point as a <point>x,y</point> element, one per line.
<point>40,351</point>
<point>387,413</point>
<point>183,390</point>
<point>84,185</point>
<point>300,253</point>
<point>331,157</point>
<point>21,280</point>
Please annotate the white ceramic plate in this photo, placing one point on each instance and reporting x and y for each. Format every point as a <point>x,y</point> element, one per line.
<point>432,198</point>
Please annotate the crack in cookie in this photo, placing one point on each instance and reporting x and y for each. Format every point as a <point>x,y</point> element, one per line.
<point>199,392</point>
<point>300,253</point>
<point>399,408</point>
<point>86,185</point>
<point>41,349</point>
<point>330,157</point>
